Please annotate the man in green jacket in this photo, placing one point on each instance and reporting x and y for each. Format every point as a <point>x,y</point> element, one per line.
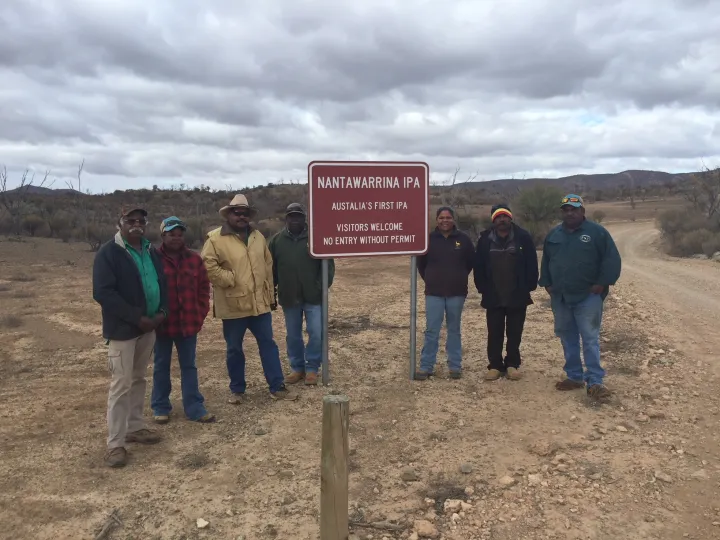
<point>298,279</point>
<point>579,264</point>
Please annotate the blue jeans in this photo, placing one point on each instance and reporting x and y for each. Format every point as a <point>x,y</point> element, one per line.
<point>193,400</point>
<point>261,327</point>
<point>304,359</point>
<point>436,309</point>
<point>573,322</point>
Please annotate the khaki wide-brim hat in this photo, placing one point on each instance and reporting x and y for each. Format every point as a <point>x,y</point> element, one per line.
<point>238,201</point>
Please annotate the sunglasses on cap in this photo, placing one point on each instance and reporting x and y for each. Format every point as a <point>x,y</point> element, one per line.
<point>571,200</point>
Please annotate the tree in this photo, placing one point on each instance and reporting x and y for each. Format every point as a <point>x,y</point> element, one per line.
<point>33,223</point>
<point>598,216</point>
<point>14,200</point>
<point>702,191</point>
<point>537,209</point>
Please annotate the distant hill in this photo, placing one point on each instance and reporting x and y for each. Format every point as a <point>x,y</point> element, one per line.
<point>585,183</point>
<point>38,190</point>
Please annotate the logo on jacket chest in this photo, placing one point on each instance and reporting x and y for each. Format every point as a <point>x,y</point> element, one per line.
<point>585,238</point>
<point>458,245</point>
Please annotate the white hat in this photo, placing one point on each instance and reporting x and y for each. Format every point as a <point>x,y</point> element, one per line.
<point>238,201</point>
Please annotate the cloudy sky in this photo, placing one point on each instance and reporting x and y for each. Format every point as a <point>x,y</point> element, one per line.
<point>244,92</point>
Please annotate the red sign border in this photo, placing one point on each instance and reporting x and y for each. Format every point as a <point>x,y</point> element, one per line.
<point>369,164</point>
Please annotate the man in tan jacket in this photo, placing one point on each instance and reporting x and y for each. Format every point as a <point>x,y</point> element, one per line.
<point>239,266</point>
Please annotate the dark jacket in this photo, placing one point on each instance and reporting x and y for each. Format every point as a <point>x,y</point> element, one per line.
<point>573,262</point>
<point>447,264</point>
<point>526,270</point>
<point>297,275</point>
<point>118,288</point>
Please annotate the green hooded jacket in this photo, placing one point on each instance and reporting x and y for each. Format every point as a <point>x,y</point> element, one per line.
<point>297,276</point>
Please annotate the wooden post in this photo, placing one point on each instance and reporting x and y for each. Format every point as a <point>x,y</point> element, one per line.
<point>334,468</point>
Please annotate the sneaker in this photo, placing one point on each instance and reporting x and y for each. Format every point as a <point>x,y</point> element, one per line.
<point>311,379</point>
<point>295,377</point>
<point>116,457</point>
<point>456,374</point>
<point>237,398</point>
<point>421,375</point>
<point>567,384</point>
<point>143,436</point>
<point>599,392</point>
<point>161,418</point>
<point>513,374</point>
<point>284,394</point>
<point>493,375</point>
<point>207,418</point>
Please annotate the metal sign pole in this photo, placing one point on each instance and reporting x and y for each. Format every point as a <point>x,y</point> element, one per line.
<point>325,348</point>
<point>413,314</point>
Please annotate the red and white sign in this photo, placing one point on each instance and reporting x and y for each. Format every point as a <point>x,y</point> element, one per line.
<point>365,208</point>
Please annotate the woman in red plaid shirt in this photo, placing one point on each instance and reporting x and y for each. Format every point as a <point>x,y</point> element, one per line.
<point>188,305</point>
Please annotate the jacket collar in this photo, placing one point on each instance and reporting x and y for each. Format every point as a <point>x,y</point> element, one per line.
<point>120,241</point>
<point>303,234</point>
<point>183,251</point>
<point>454,232</point>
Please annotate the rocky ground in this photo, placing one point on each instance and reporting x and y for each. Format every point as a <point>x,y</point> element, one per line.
<point>457,460</point>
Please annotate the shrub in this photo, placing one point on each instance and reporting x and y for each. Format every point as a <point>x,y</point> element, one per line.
<point>33,224</point>
<point>538,210</point>
<point>10,321</point>
<point>598,216</point>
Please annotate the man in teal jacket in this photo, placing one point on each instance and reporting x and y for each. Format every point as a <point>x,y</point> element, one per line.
<point>298,279</point>
<point>579,264</point>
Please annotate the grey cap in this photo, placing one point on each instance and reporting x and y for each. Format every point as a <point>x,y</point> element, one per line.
<point>295,208</point>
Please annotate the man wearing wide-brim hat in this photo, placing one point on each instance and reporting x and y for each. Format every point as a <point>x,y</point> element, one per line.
<point>239,266</point>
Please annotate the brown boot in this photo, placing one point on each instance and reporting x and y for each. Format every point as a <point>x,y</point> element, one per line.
<point>116,457</point>
<point>295,377</point>
<point>513,374</point>
<point>599,392</point>
<point>143,436</point>
<point>311,379</point>
<point>567,384</point>
<point>493,375</point>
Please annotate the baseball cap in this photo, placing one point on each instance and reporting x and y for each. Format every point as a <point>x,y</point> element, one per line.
<point>572,200</point>
<point>127,210</point>
<point>295,208</point>
<point>170,223</point>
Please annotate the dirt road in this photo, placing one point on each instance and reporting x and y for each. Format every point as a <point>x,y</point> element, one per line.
<point>528,462</point>
<point>687,290</point>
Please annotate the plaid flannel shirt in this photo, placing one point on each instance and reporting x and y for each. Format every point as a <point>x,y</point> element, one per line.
<point>188,294</point>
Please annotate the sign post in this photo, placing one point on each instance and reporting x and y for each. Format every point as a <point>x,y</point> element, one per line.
<point>365,209</point>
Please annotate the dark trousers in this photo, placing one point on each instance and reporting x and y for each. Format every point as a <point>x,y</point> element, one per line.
<point>501,322</point>
<point>261,327</point>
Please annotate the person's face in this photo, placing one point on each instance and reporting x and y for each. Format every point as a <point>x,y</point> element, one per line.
<point>238,218</point>
<point>502,223</point>
<point>133,226</point>
<point>445,221</point>
<point>572,217</point>
<point>174,240</point>
<point>295,222</point>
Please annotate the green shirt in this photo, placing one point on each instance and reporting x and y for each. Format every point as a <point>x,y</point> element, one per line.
<point>574,261</point>
<point>148,275</point>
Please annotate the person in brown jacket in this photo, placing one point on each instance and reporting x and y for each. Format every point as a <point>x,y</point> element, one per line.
<point>239,266</point>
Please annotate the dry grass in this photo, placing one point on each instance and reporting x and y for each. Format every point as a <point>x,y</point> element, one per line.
<point>23,278</point>
<point>23,294</point>
<point>5,288</point>
<point>10,321</point>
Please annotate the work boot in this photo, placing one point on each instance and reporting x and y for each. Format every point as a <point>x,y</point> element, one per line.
<point>284,394</point>
<point>493,375</point>
<point>161,418</point>
<point>567,384</point>
<point>513,374</point>
<point>143,436</point>
<point>456,374</point>
<point>311,379</point>
<point>116,457</point>
<point>598,392</point>
<point>295,377</point>
<point>237,398</point>
<point>421,375</point>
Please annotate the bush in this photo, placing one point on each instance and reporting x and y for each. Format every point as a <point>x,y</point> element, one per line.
<point>33,224</point>
<point>598,216</point>
<point>687,234</point>
<point>538,210</point>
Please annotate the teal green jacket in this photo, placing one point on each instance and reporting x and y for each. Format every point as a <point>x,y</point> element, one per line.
<point>573,262</point>
<point>297,276</point>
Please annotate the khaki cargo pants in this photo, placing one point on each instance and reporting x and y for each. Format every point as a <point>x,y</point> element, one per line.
<point>127,362</point>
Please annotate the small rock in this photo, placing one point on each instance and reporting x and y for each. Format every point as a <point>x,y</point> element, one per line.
<point>429,502</point>
<point>466,468</point>
<point>452,505</point>
<point>469,491</point>
<point>409,475</point>
<point>201,523</point>
<point>507,481</point>
<point>465,506</point>
<point>663,477</point>
<point>286,473</point>
<point>642,418</point>
<point>261,431</point>
<point>414,536</point>
<point>534,479</point>
<point>621,429</point>
<point>701,475</point>
<point>425,529</point>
